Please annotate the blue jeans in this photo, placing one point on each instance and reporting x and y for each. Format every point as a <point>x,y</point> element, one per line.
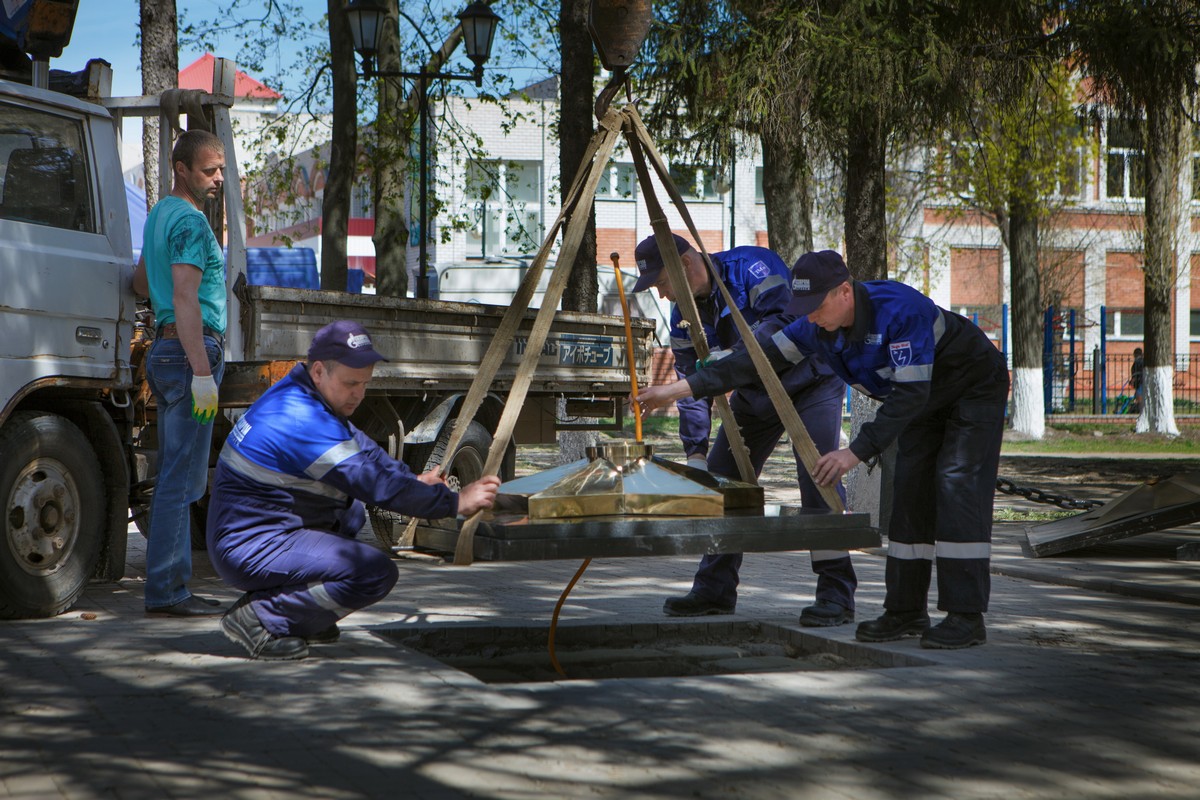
<point>183,446</point>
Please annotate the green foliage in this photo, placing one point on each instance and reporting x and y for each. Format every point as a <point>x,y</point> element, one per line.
<point>1023,150</point>
<point>1140,52</point>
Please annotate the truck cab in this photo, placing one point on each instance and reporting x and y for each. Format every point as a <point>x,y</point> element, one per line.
<point>66,320</point>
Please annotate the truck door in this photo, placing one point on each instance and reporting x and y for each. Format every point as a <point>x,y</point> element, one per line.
<point>61,278</point>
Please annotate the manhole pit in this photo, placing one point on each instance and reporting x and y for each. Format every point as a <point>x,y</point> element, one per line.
<point>519,654</point>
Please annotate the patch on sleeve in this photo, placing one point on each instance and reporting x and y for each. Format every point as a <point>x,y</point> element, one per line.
<point>901,353</point>
<point>759,270</point>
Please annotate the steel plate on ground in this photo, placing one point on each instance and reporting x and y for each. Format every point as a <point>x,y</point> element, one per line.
<point>778,529</point>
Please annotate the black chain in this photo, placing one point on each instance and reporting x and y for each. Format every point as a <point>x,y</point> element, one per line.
<point>1005,486</point>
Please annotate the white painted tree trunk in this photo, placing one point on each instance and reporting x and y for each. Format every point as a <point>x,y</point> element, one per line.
<point>869,492</point>
<point>572,445</point>
<point>1029,414</point>
<point>1158,402</point>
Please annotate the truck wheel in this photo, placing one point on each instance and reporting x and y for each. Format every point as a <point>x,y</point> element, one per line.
<point>466,467</point>
<point>53,493</point>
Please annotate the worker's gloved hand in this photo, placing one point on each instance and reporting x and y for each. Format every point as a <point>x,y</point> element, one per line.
<point>204,398</point>
<point>712,358</point>
<point>698,462</point>
<point>478,495</point>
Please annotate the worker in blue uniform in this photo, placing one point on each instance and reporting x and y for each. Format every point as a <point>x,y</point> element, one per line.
<point>943,388</point>
<point>757,280</point>
<point>288,498</point>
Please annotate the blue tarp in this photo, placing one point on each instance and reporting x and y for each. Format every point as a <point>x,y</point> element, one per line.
<point>136,199</point>
<point>294,267</point>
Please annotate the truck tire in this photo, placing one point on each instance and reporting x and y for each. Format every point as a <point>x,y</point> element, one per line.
<point>53,493</point>
<point>466,467</point>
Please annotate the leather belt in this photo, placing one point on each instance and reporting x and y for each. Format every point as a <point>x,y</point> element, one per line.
<point>168,331</point>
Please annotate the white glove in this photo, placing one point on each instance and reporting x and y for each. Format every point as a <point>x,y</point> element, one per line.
<point>204,398</point>
<point>698,462</point>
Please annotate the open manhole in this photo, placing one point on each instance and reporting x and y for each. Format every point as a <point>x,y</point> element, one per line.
<point>649,650</point>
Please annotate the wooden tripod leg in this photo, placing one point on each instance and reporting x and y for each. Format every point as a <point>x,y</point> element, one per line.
<point>683,293</point>
<point>464,551</point>
<point>510,323</point>
<point>792,423</point>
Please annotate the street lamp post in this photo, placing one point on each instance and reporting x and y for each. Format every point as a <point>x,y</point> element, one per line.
<point>479,24</point>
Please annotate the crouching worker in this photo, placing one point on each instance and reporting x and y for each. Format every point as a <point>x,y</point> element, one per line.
<point>287,501</point>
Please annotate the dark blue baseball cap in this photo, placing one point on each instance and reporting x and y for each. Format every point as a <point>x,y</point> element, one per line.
<point>649,260</point>
<point>813,275</point>
<point>345,342</point>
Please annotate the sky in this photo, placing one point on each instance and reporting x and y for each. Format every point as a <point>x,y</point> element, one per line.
<point>108,29</point>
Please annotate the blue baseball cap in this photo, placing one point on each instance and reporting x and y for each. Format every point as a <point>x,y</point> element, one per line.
<point>813,275</point>
<point>345,342</point>
<point>649,260</point>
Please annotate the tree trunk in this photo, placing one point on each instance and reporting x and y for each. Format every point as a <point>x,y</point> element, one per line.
<point>390,162</point>
<point>160,71</point>
<point>575,128</point>
<point>1029,413</point>
<point>1164,126</point>
<point>343,149</point>
<point>786,190</point>
<point>865,213</point>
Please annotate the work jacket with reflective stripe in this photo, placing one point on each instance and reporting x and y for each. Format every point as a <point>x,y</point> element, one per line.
<point>902,349</point>
<point>759,283</point>
<point>291,462</point>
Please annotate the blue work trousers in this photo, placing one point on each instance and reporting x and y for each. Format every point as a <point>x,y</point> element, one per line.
<point>820,409</point>
<point>945,482</point>
<point>182,476</point>
<point>305,580</point>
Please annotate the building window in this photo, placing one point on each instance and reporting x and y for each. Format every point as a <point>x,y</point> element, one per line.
<point>1069,184</point>
<point>1125,162</point>
<point>618,182</point>
<point>760,196</point>
<point>1194,324</point>
<point>507,201</point>
<point>694,183</point>
<point>1126,323</point>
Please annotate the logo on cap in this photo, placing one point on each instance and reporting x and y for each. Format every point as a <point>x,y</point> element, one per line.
<point>643,266</point>
<point>801,285</point>
<point>357,340</point>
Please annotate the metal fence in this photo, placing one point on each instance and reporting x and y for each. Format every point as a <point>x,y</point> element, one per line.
<point>1071,385</point>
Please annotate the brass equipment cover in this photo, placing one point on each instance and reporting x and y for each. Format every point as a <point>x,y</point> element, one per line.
<point>620,479</point>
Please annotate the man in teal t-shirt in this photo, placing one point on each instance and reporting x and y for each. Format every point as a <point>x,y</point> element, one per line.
<point>182,270</point>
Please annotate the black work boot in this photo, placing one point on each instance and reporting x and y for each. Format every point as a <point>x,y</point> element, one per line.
<point>693,605</point>
<point>825,614</point>
<point>955,632</point>
<point>893,625</point>
<point>241,625</point>
<point>327,636</point>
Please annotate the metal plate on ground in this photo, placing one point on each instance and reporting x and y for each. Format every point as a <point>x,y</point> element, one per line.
<point>1154,506</point>
<point>778,529</point>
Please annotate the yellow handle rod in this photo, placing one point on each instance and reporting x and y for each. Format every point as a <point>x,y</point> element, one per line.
<point>629,359</point>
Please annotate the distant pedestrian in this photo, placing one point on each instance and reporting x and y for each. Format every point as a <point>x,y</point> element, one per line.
<point>1137,374</point>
